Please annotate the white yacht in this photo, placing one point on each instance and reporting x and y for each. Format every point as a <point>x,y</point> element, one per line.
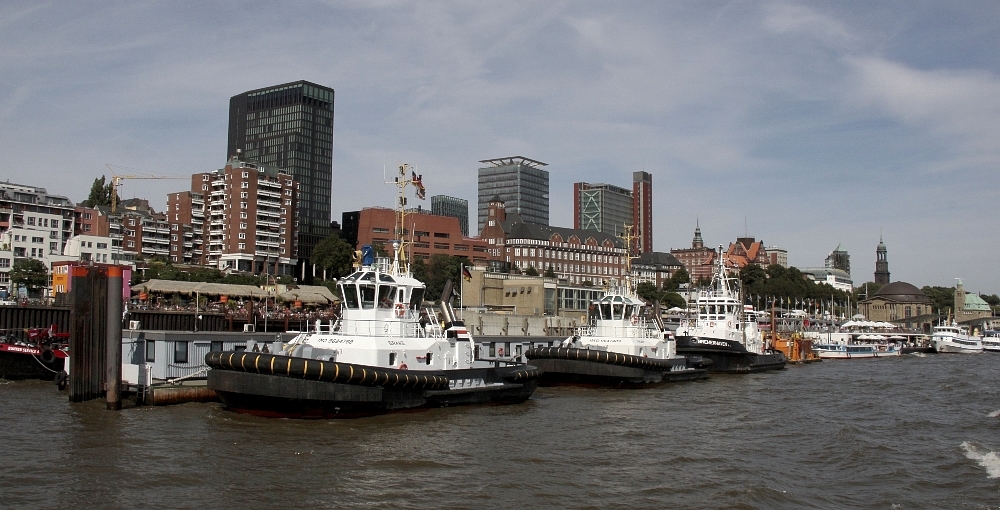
<point>955,338</point>
<point>991,341</point>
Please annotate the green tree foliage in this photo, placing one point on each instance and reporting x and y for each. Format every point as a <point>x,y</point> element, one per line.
<point>438,269</point>
<point>942,298</point>
<point>787,283</point>
<point>334,255</point>
<point>29,273</point>
<point>531,271</point>
<point>550,273</point>
<point>647,291</point>
<point>866,290</point>
<point>100,193</point>
<point>672,300</point>
<point>991,299</point>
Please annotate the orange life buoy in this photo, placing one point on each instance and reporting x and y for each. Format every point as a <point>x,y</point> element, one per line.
<point>400,310</point>
<point>500,352</point>
<point>711,324</point>
<point>402,366</point>
<point>635,320</point>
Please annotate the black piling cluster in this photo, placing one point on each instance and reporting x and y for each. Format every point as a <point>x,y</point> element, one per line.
<point>317,370</point>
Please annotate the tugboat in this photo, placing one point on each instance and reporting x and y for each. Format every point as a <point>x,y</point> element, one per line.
<point>43,356</point>
<point>621,348</point>
<point>725,331</point>
<point>383,354</point>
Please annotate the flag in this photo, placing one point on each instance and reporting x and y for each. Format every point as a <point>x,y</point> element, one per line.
<point>418,182</point>
<point>466,274</point>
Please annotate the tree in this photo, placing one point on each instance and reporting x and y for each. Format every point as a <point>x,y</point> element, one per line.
<point>531,271</point>
<point>647,291</point>
<point>100,193</point>
<point>29,273</point>
<point>440,268</point>
<point>334,255</point>
<point>672,300</point>
<point>550,273</point>
<point>942,298</point>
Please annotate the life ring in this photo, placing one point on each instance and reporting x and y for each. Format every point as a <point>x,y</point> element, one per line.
<point>402,366</point>
<point>400,310</point>
<point>47,356</point>
<point>711,324</point>
<point>500,351</point>
<point>635,320</point>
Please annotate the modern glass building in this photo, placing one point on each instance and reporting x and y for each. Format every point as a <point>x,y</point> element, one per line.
<point>602,207</point>
<point>290,126</point>
<point>520,183</point>
<point>443,205</point>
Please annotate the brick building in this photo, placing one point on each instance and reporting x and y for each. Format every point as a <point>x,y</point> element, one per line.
<point>239,218</point>
<point>429,234</point>
<point>577,256</point>
<point>697,260</point>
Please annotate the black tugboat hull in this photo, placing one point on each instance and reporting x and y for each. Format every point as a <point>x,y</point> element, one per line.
<point>601,369</point>
<point>295,392</point>
<point>730,357</point>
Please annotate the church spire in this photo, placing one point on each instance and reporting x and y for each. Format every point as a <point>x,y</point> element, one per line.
<point>698,242</point>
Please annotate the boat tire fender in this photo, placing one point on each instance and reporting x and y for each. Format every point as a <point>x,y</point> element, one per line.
<point>47,356</point>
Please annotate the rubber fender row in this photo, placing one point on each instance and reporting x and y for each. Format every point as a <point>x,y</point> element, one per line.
<point>317,370</point>
<point>610,358</point>
<point>523,375</point>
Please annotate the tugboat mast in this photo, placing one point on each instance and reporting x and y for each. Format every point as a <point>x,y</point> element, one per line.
<point>400,262</point>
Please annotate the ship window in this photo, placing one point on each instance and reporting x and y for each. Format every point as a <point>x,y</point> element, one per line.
<point>350,295</point>
<point>180,352</point>
<point>150,350</point>
<point>392,359</point>
<point>628,312</point>
<point>605,311</point>
<point>217,346</point>
<point>617,311</point>
<point>367,296</point>
<point>385,278</point>
<point>416,297</point>
<point>429,354</point>
<point>493,350</point>
<point>385,295</point>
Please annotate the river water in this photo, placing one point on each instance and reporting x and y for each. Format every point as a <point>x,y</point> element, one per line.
<point>910,432</point>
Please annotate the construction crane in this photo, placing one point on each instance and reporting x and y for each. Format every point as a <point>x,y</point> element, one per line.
<point>117,182</point>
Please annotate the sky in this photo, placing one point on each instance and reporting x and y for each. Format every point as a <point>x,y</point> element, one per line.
<point>807,125</point>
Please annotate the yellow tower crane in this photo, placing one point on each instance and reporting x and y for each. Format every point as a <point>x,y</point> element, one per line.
<point>117,181</point>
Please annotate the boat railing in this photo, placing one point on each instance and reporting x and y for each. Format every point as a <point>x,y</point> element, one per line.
<point>636,331</point>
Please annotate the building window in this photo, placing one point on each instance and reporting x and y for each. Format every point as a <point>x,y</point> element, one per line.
<point>86,227</point>
<point>4,262</point>
<point>288,202</point>
<point>246,175</point>
<point>243,235</point>
<point>180,352</point>
<point>243,225</point>
<point>150,350</point>
<point>243,205</point>
<point>242,246</point>
<point>244,184</point>
<point>243,215</point>
<point>243,194</point>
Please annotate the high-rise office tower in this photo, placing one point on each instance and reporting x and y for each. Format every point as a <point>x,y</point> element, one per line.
<point>601,207</point>
<point>642,209</point>
<point>290,126</point>
<point>520,183</point>
<point>608,208</point>
<point>443,205</point>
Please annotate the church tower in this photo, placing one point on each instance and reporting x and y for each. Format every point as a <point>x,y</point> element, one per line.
<point>698,242</point>
<point>881,264</point>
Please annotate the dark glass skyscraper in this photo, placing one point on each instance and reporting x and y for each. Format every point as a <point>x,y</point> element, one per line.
<point>444,205</point>
<point>290,126</point>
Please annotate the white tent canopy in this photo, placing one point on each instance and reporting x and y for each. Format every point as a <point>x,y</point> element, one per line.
<point>192,288</point>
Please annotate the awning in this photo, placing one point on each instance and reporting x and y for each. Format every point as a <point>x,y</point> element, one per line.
<point>192,288</point>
